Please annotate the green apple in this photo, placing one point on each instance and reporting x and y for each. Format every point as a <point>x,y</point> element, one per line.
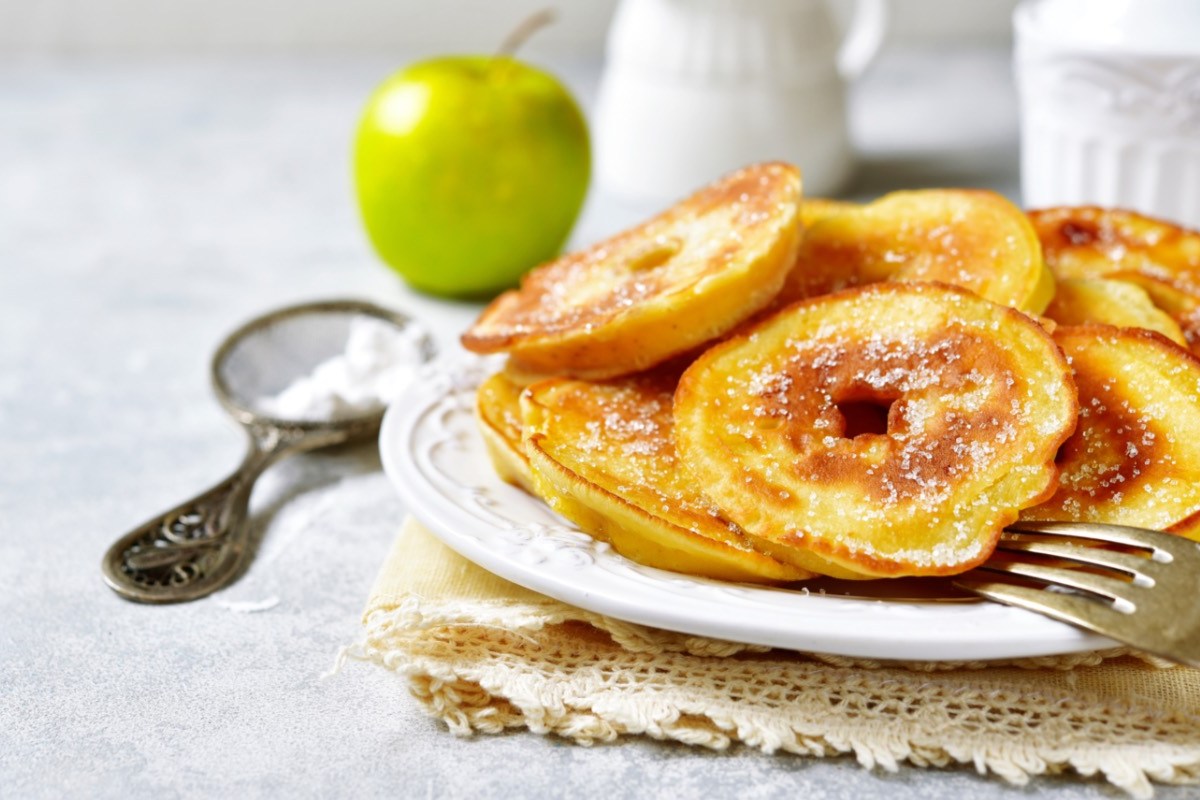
<point>469,171</point>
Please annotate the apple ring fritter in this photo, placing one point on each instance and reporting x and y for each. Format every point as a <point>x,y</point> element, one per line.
<point>1134,458</point>
<point>889,430</point>
<point>815,209</point>
<point>1083,301</point>
<point>964,237</point>
<point>1160,257</point>
<point>498,412</point>
<point>603,456</point>
<point>657,290</point>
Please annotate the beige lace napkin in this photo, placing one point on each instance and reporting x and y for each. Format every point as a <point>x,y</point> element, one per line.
<point>485,655</point>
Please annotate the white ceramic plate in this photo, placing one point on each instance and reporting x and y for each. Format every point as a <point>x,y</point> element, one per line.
<point>436,459</point>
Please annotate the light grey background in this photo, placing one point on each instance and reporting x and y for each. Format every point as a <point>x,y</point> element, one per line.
<point>157,26</point>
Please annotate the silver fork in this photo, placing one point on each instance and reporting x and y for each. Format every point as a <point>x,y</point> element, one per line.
<point>1146,598</point>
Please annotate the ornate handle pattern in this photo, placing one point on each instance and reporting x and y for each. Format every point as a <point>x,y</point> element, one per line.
<point>200,545</point>
<point>185,553</point>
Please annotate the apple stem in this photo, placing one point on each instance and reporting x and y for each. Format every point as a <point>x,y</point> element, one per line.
<point>527,28</point>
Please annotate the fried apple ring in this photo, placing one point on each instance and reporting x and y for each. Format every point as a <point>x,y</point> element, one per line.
<point>1083,301</point>
<point>1134,459</point>
<point>815,209</point>
<point>603,456</point>
<point>498,414</point>
<point>969,238</point>
<point>1160,257</point>
<point>657,290</point>
<point>972,401</point>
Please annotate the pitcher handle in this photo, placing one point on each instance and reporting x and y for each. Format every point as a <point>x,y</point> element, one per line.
<point>863,38</point>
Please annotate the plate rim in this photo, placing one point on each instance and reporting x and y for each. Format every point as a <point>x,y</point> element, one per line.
<point>913,631</point>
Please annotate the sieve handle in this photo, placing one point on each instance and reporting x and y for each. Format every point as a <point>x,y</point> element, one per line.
<point>201,545</point>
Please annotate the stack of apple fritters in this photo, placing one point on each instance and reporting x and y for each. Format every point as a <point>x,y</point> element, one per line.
<point>757,388</point>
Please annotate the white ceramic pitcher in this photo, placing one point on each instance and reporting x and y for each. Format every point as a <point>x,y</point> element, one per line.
<point>695,88</point>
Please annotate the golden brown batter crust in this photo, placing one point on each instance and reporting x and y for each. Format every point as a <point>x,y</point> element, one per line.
<point>964,237</point>
<point>604,456</point>
<point>1160,257</point>
<point>657,290</point>
<point>1134,458</point>
<point>980,399</point>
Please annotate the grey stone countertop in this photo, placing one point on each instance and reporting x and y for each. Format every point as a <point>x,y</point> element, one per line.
<point>146,208</point>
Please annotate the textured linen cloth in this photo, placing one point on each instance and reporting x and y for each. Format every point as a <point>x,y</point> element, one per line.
<point>485,655</point>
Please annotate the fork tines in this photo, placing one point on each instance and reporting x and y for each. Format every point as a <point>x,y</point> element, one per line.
<point>1133,585</point>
